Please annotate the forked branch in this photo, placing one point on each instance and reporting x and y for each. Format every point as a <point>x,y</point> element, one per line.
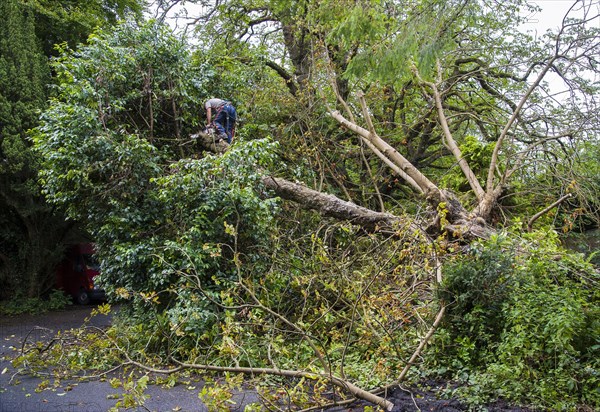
<point>422,182</point>
<point>449,139</point>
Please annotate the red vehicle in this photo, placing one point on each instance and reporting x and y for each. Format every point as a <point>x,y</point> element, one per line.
<point>75,274</point>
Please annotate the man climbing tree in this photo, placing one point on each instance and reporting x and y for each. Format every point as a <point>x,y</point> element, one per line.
<point>225,117</point>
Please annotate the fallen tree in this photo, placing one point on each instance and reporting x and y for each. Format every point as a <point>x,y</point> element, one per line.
<point>460,226</point>
<point>236,279</point>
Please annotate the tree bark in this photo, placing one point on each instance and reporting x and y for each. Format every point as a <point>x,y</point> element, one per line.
<point>332,206</point>
<point>209,142</point>
<point>425,184</point>
<point>460,225</point>
<point>450,143</point>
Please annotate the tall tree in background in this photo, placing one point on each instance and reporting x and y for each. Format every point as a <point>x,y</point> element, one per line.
<point>30,229</point>
<point>32,235</point>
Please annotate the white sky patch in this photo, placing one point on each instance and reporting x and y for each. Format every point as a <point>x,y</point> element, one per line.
<point>550,17</point>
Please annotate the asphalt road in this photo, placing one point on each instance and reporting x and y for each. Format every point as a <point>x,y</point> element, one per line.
<point>20,393</point>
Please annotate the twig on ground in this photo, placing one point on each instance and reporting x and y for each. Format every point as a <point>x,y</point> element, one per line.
<point>411,396</point>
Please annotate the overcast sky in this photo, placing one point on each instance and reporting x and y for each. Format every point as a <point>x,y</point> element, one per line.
<point>551,15</point>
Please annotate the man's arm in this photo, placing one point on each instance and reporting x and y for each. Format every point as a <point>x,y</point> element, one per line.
<point>208,115</point>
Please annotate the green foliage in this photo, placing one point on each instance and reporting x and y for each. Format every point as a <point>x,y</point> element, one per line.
<point>361,300</point>
<point>31,231</point>
<point>72,21</point>
<point>522,324</point>
<point>168,222</point>
<point>139,79</point>
<point>134,392</point>
<point>210,211</point>
<point>477,289</point>
<point>587,243</point>
<point>477,154</point>
<point>217,396</point>
<point>349,24</point>
<point>20,304</point>
<point>23,76</point>
<point>31,242</point>
<point>116,119</point>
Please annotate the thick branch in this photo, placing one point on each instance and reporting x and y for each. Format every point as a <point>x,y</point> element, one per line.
<point>289,80</point>
<point>341,383</point>
<point>373,148</point>
<point>392,166</point>
<point>209,141</point>
<point>332,206</point>
<point>460,225</point>
<point>387,161</point>
<point>353,389</point>
<point>388,151</point>
<point>450,142</point>
<point>326,204</point>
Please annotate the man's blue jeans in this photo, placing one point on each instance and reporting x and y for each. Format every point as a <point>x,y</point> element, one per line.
<point>225,121</point>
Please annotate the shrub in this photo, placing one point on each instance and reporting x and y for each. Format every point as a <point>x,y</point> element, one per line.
<point>522,324</point>
<point>20,304</point>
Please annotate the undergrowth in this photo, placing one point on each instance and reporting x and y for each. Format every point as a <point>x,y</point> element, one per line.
<point>20,304</point>
<point>522,325</point>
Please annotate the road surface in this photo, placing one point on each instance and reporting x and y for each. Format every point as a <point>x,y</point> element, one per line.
<point>82,396</point>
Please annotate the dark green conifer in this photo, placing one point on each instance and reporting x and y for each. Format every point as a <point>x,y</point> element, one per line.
<point>24,216</point>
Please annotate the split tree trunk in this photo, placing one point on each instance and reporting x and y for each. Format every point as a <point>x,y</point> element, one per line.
<point>460,226</point>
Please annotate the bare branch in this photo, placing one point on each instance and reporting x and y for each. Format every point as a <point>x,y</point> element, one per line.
<point>393,166</point>
<point>367,116</point>
<point>353,389</point>
<point>422,344</point>
<point>515,115</point>
<point>289,80</point>
<point>332,206</point>
<point>424,184</point>
<point>449,139</point>
<point>529,148</point>
<point>546,210</point>
<point>365,111</point>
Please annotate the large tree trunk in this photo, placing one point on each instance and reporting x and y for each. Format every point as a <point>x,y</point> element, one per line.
<point>332,206</point>
<point>458,224</point>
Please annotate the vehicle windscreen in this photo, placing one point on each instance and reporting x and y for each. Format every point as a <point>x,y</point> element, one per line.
<point>91,262</point>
